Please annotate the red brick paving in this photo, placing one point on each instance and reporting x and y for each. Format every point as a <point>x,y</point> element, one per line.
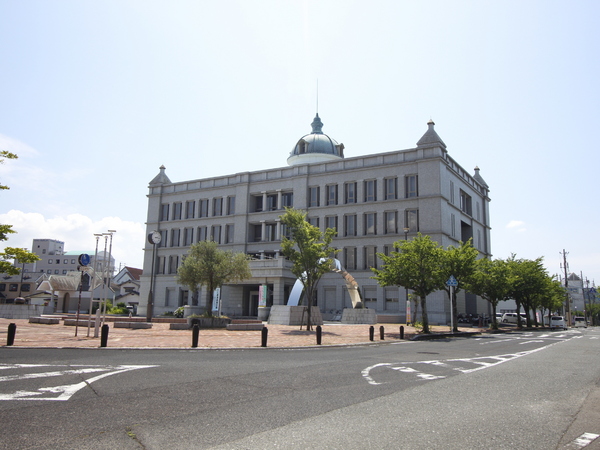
<point>160,336</point>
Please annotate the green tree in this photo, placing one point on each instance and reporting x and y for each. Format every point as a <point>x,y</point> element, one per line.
<point>417,265</point>
<point>309,251</point>
<point>527,278</point>
<point>490,282</point>
<point>207,265</point>
<point>551,297</point>
<point>459,262</point>
<point>12,253</point>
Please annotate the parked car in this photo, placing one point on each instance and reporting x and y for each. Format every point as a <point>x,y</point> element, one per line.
<point>512,318</point>
<point>580,322</point>
<point>558,322</point>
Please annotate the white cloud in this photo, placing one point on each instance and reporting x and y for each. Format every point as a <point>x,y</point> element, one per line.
<point>15,146</point>
<point>77,232</point>
<point>516,225</point>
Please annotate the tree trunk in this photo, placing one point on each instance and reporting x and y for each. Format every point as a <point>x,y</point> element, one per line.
<point>454,310</point>
<point>424,314</point>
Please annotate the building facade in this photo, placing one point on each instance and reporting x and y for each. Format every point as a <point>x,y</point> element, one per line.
<point>372,201</point>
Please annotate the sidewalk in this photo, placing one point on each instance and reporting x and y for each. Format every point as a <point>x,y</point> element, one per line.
<point>160,336</point>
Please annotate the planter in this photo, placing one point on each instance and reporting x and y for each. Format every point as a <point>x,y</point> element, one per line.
<point>208,322</point>
<point>263,313</point>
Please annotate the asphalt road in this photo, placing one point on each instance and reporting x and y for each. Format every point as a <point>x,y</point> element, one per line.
<point>529,391</point>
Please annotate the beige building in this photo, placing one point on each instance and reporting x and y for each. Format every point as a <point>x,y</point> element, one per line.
<point>372,201</point>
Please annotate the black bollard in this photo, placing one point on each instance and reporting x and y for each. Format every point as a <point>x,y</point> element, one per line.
<point>371,332</point>
<point>381,331</point>
<point>12,330</point>
<point>401,332</point>
<point>319,334</point>
<point>195,333</point>
<point>264,335</point>
<point>104,336</point>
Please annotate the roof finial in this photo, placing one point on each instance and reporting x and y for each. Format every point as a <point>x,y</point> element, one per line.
<point>317,96</point>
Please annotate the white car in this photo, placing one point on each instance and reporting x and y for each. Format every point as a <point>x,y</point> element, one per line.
<point>558,322</point>
<point>580,322</point>
<point>512,318</point>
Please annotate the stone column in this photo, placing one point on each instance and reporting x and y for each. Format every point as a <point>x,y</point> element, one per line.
<point>278,291</point>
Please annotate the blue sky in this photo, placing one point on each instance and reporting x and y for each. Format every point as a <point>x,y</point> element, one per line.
<point>96,96</point>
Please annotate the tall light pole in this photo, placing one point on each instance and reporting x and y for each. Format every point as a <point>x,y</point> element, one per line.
<point>94,269</point>
<point>565,266</point>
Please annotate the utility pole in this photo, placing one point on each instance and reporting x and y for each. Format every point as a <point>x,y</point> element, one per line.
<point>565,267</point>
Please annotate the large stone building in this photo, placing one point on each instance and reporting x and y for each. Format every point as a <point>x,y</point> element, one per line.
<point>372,201</point>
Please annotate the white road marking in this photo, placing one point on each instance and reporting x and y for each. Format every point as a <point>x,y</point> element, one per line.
<point>459,364</point>
<point>582,441</point>
<point>63,392</point>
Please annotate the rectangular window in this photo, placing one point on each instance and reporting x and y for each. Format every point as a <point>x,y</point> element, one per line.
<point>177,211</point>
<point>160,266</point>
<point>452,225</point>
<point>201,236</point>
<point>218,206</point>
<point>452,192</point>
<point>3,286</point>
<point>332,194</point>
<point>288,199</point>
<point>188,236</point>
<point>350,258</point>
<point>229,234</point>
<point>391,222</point>
<point>13,287</point>
<point>272,202</point>
<point>66,261</point>
<point>258,203</point>
<point>350,225</point>
<point>203,208</point>
<point>164,212</point>
<point>370,223</point>
<point>477,211</point>
<point>173,263</point>
<point>270,232</point>
<point>190,209</point>
<point>163,238</point>
<point>58,261</point>
<point>256,231</point>
<point>314,221</point>
<point>350,192</point>
<point>50,261</point>
<point>411,220</point>
<point>391,188</point>
<point>215,233</point>
<point>72,261</point>
<point>175,237</point>
<point>370,257</point>
<point>411,188</point>
<point>388,249</point>
<point>331,222</point>
<point>370,190</point>
<point>465,203</point>
<point>313,196</point>
<point>285,231</point>
<point>231,205</point>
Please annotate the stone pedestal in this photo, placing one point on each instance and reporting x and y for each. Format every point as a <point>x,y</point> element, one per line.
<point>263,313</point>
<point>359,316</point>
<point>293,315</point>
<point>189,310</point>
